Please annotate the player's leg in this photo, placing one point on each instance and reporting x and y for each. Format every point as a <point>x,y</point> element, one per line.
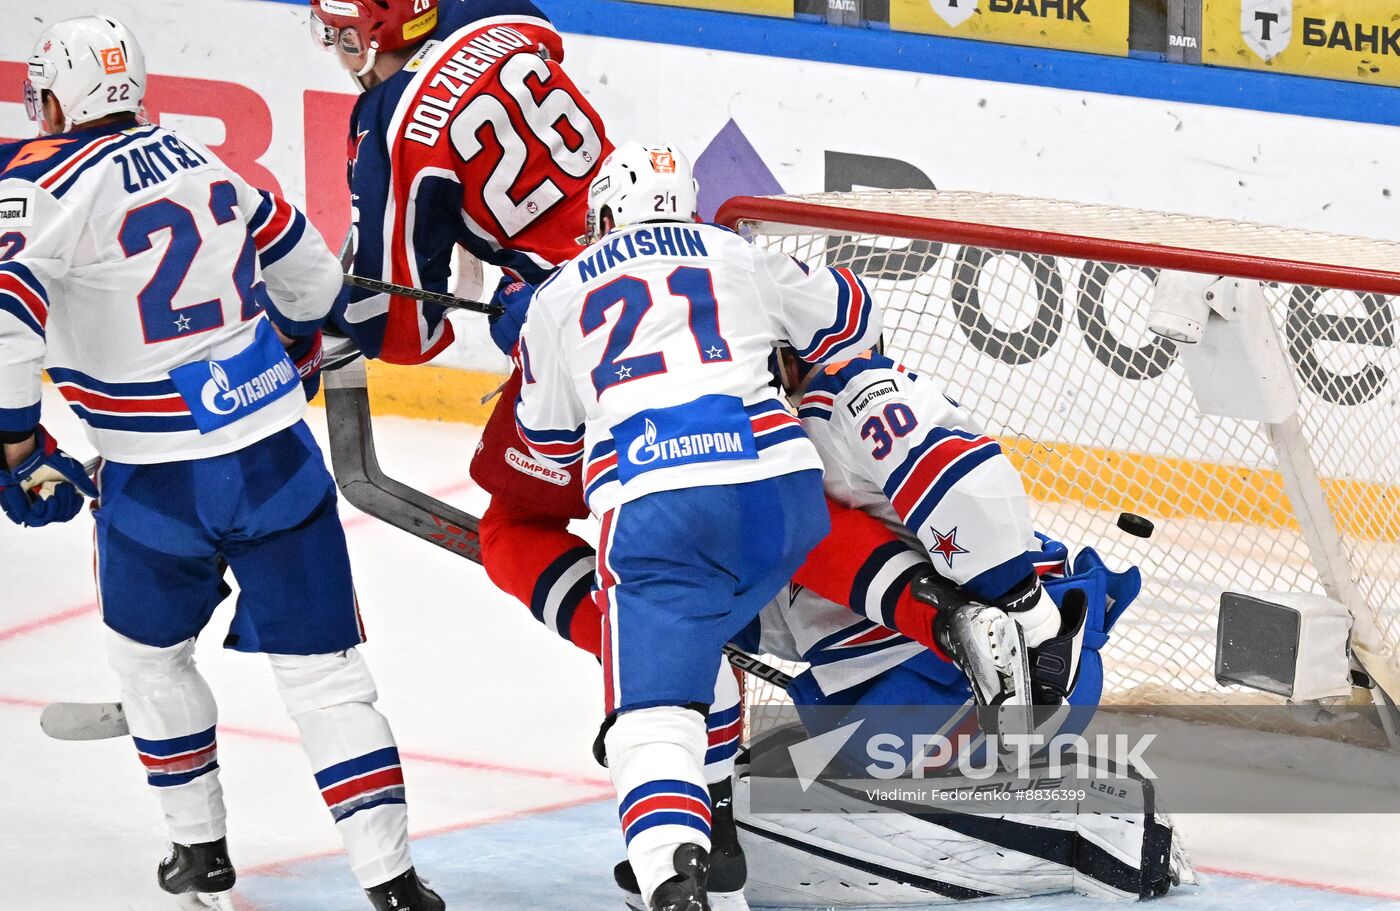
<point>672,597</point>
<point>526,546</point>
<point>949,863</point>
<point>297,604</point>
<point>158,582</point>
<point>538,561</point>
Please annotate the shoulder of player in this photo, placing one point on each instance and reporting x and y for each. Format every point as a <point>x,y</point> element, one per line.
<point>555,294</point>
<point>54,163</point>
<point>847,390</point>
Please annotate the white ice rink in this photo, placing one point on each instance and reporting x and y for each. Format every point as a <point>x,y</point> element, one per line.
<point>494,718</point>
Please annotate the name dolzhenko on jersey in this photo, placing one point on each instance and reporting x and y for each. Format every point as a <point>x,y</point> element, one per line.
<point>424,181</point>
<point>648,355</point>
<point>142,273</point>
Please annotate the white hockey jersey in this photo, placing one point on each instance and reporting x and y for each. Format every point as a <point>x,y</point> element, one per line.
<point>841,648</point>
<point>142,273</point>
<point>894,445</point>
<point>650,352</point>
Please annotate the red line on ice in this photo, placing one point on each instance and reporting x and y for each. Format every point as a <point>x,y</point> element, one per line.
<point>1301,883</point>
<point>83,610</point>
<point>471,765</point>
<point>281,867</point>
<point>71,613</point>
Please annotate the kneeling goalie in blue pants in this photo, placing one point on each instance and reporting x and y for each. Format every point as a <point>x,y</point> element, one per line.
<point>648,354</point>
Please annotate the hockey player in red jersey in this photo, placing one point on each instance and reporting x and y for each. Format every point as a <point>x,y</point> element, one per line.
<point>470,135</point>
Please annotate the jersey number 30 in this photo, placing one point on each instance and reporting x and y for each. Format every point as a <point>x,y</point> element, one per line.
<point>896,418</point>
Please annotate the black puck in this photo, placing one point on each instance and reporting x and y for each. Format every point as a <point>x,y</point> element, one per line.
<point>1136,525</point>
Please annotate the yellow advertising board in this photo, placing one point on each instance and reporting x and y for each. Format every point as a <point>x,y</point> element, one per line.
<point>782,8</point>
<point>1094,26</point>
<point>1357,40</point>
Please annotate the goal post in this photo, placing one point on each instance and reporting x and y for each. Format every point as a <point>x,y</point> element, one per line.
<point>1258,426</point>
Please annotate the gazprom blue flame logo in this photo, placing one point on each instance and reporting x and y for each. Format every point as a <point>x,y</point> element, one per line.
<point>644,443</point>
<point>217,391</point>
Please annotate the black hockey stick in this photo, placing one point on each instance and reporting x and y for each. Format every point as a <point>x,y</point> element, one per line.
<point>450,301</point>
<point>357,472</point>
<point>355,464</point>
<point>369,489</point>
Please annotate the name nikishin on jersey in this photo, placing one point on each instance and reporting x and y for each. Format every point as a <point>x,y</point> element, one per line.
<point>455,76</point>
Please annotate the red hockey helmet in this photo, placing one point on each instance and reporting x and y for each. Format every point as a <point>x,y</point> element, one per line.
<point>364,26</point>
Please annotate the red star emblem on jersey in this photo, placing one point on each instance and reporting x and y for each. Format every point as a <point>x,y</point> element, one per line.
<point>355,146</point>
<point>947,545</point>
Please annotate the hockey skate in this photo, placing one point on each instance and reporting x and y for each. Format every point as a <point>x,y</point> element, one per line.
<point>199,876</point>
<point>405,892</point>
<point>990,648</point>
<point>728,900</point>
<point>686,890</point>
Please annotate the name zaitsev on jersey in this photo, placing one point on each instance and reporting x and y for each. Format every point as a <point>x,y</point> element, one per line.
<point>142,273</point>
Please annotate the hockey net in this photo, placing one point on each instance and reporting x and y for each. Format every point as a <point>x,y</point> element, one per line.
<point>1034,314</point>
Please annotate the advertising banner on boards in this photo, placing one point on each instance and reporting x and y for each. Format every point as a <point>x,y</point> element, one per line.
<point>1356,40</point>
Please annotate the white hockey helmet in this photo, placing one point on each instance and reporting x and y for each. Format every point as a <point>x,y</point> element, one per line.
<point>638,183</point>
<point>92,65</point>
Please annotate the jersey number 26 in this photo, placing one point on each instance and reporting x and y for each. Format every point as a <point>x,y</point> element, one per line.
<point>575,152</point>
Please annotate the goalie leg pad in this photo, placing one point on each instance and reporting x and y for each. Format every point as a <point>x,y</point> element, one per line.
<point>171,713</point>
<point>352,751</point>
<point>840,853</point>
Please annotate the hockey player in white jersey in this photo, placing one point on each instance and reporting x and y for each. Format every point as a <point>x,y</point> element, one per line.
<point>896,447</point>
<point>868,645</point>
<point>649,352</point>
<point>153,283</point>
<point>902,451</point>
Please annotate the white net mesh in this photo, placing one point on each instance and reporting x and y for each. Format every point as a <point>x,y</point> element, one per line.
<point>1053,354</point>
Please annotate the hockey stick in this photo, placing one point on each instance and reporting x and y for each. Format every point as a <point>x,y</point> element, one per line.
<point>756,668</point>
<point>366,486</point>
<point>355,464</point>
<point>356,467</point>
<point>450,301</point>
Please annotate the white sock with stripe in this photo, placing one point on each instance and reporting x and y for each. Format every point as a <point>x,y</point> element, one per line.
<point>723,726</point>
<point>656,759</point>
<point>352,752</point>
<point>171,713</point>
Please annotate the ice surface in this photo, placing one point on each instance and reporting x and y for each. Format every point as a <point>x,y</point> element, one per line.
<point>495,719</point>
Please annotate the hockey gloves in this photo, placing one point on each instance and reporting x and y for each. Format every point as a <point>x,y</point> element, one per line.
<point>46,487</point>
<point>515,297</point>
<point>307,354</point>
